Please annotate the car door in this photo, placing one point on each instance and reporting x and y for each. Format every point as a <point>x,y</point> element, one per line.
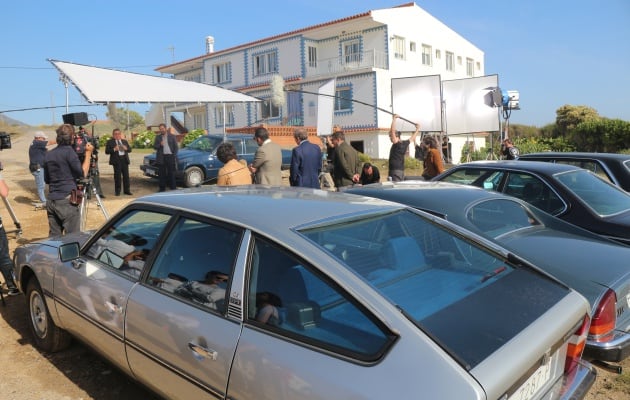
<point>92,292</point>
<point>179,339</point>
<point>302,331</point>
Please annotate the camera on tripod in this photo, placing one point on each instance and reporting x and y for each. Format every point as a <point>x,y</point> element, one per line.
<point>5,141</point>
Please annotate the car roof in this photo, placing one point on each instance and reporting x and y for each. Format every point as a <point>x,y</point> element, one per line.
<point>534,166</point>
<point>270,209</point>
<point>229,135</point>
<point>442,192</point>
<point>576,154</point>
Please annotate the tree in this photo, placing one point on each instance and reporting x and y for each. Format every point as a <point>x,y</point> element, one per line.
<point>124,118</point>
<point>568,117</point>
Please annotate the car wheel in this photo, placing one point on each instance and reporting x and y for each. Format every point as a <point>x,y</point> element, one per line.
<point>193,177</point>
<point>48,336</point>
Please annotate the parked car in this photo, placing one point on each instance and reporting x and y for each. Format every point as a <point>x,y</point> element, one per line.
<point>615,168</point>
<point>292,293</point>
<point>594,266</point>
<point>568,192</point>
<point>197,163</point>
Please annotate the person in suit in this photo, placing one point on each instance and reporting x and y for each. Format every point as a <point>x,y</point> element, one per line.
<point>267,164</point>
<point>166,158</point>
<point>346,164</point>
<point>306,161</point>
<point>118,150</point>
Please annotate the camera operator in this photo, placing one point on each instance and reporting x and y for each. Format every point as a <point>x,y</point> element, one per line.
<point>6,264</point>
<point>62,169</point>
<point>82,138</point>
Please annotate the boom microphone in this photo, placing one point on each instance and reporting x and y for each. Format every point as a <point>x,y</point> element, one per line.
<point>277,90</point>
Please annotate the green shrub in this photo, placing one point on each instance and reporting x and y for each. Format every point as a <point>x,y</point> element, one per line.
<point>192,135</point>
<point>144,140</point>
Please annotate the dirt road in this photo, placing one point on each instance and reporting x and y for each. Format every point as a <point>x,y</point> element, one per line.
<point>77,373</point>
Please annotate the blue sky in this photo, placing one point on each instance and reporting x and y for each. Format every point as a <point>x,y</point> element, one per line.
<point>554,52</point>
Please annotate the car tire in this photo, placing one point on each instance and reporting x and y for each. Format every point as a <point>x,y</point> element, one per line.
<point>48,336</point>
<point>193,176</point>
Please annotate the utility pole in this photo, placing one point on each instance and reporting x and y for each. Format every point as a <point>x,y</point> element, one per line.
<point>172,50</point>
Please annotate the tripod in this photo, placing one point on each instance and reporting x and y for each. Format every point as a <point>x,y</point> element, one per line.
<point>88,189</point>
<point>18,226</point>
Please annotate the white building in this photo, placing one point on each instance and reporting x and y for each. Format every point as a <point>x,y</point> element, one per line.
<point>362,52</point>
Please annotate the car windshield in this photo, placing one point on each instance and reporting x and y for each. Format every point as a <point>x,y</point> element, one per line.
<point>205,143</point>
<point>419,266</point>
<point>603,198</point>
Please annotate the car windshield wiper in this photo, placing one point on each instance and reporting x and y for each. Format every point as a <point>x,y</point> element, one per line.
<point>493,273</point>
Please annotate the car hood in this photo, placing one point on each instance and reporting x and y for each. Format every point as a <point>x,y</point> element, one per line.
<point>56,241</point>
<point>585,265</point>
<point>187,153</point>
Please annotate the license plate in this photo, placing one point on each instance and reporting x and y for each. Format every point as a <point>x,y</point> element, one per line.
<point>533,384</point>
<point>150,172</point>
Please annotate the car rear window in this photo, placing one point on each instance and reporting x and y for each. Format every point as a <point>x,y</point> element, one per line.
<point>602,197</point>
<point>438,279</point>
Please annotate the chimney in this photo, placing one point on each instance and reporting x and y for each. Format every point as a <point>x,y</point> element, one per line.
<point>209,44</point>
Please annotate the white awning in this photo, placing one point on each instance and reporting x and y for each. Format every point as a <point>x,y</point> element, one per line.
<point>102,85</point>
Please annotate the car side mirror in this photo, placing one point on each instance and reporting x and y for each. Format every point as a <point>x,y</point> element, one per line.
<point>69,251</point>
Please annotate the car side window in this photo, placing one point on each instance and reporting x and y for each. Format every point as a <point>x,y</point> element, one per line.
<point>497,217</point>
<point>196,262</point>
<point>126,244</point>
<point>250,146</point>
<point>238,146</point>
<point>286,295</point>
<point>534,191</point>
<point>592,166</point>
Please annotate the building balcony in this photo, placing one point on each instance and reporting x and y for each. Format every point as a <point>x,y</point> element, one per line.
<point>348,63</point>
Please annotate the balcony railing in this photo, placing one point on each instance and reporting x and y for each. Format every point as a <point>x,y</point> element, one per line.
<point>349,62</point>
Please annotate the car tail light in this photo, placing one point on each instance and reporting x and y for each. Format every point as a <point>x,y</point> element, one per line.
<point>604,318</point>
<point>577,342</point>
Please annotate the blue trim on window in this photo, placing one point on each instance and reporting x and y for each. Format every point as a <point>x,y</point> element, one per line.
<point>271,70</point>
<point>344,87</point>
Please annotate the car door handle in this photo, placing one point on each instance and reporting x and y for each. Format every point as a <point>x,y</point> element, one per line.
<point>201,352</point>
<point>113,308</point>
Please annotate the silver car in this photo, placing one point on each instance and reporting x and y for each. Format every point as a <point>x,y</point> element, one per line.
<point>283,293</point>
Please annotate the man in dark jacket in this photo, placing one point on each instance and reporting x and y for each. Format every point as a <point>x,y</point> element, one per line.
<point>118,150</point>
<point>166,158</point>
<point>369,174</point>
<point>62,169</point>
<point>306,161</point>
<point>36,154</point>
<point>345,162</point>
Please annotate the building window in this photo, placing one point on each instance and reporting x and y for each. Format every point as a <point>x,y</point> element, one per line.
<point>459,60</point>
<point>265,63</point>
<point>478,66</point>
<point>269,110</point>
<point>352,51</point>
<point>343,99</point>
<point>399,47</point>
<point>229,115</point>
<point>312,56</point>
<point>426,55</point>
<point>438,54</point>
<point>412,47</point>
<point>450,66</point>
<point>470,67</point>
<point>222,73</point>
